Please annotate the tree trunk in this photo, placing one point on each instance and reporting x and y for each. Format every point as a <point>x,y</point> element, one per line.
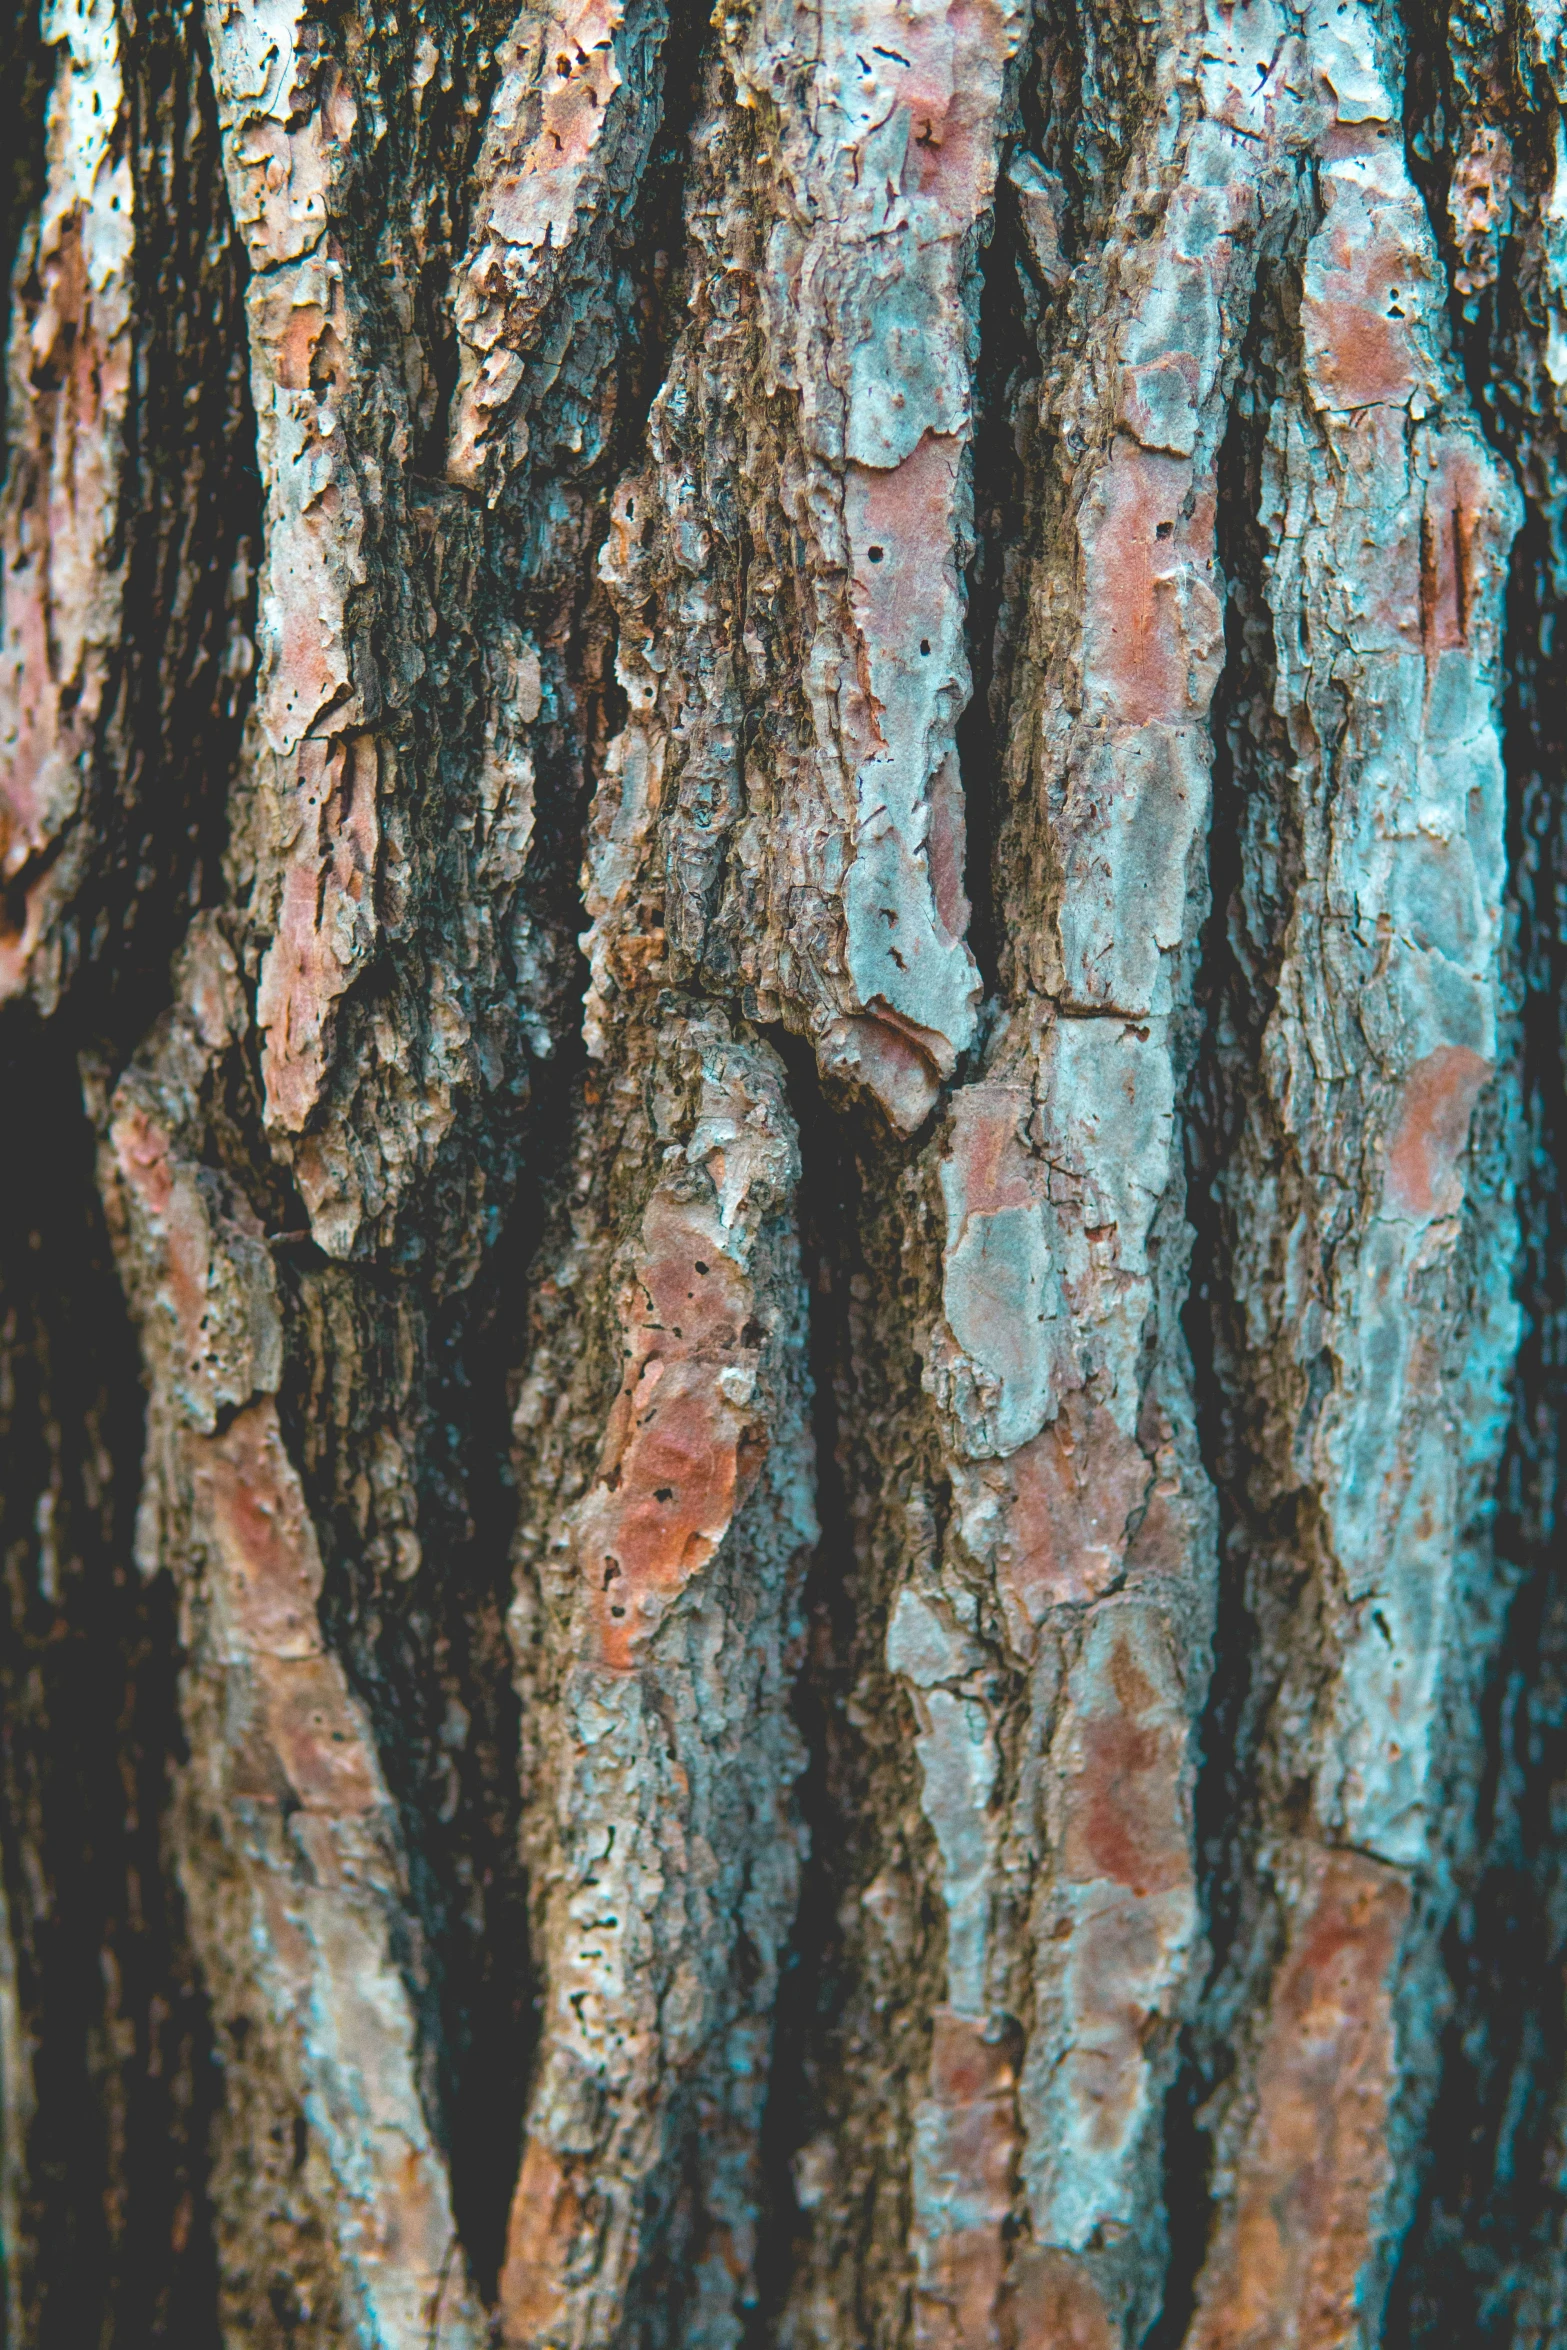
<point>784,809</point>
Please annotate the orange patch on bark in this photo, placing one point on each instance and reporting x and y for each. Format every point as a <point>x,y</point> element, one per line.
<point>946,847</point>
<point>1054,2304</point>
<point>1436,1102</point>
<point>1138,548</point>
<point>1125,1818</point>
<point>1365,356</point>
<point>143,1155</point>
<point>545,2213</point>
<point>679,1451</point>
<point>1284,2273</point>
<point>902,524</point>
<point>255,1515</point>
<point>1454,501</point>
<point>324,921</point>
<point>988,1151</point>
<point>951,55</point>
<point>268,1581</point>
<point>73,383</point>
<point>967,2157</point>
<point>316,1735</point>
<point>1359,295</point>
<point>1075,1487</point>
<point>141,1152</point>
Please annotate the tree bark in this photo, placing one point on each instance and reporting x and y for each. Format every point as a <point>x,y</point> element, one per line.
<point>784,817</point>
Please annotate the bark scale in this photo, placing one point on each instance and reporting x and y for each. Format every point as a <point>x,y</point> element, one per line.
<point>781,815</point>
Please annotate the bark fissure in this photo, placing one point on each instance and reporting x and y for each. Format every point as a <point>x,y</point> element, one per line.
<point>107,2083</point>
<point>1234,989</point>
<point>1485,2249</point>
<point>813,1986</point>
<point>1490,2225</point>
<point>1005,376</point>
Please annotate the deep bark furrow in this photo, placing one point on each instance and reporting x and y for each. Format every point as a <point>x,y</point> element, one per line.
<point>1370,1319</point>
<point>107,2081</point>
<point>1056,1646</point>
<point>389,650</point>
<point>1486,2250</point>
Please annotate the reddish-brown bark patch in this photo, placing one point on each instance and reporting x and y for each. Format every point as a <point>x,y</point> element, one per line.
<point>681,1446</point>
<point>1054,2304</point>
<point>1074,1490</point>
<point>1286,2270</point>
<point>546,2212</point>
<point>967,2144</point>
<point>1435,1105</point>
<point>1139,544</point>
<point>1125,1815</point>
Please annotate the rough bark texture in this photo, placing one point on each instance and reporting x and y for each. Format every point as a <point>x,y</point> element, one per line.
<point>782,1323</point>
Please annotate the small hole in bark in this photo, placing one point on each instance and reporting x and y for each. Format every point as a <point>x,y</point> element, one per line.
<point>1165,530</point>
<point>663,1493</point>
<point>876,553</point>
<point>924,644</point>
<point>701,1268</point>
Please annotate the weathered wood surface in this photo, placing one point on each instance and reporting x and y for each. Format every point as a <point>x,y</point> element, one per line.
<point>781,804</point>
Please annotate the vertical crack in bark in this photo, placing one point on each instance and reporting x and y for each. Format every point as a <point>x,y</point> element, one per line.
<point>128,528</point>
<point>1034,1543</point>
<point>1236,990</point>
<point>1368,1233</point>
<point>1487,2250</point>
<point>821,879</point>
<point>106,2077</point>
<point>1006,377</point>
<point>798,2154</point>
<point>414,1597</point>
<point>1487,2254</point>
